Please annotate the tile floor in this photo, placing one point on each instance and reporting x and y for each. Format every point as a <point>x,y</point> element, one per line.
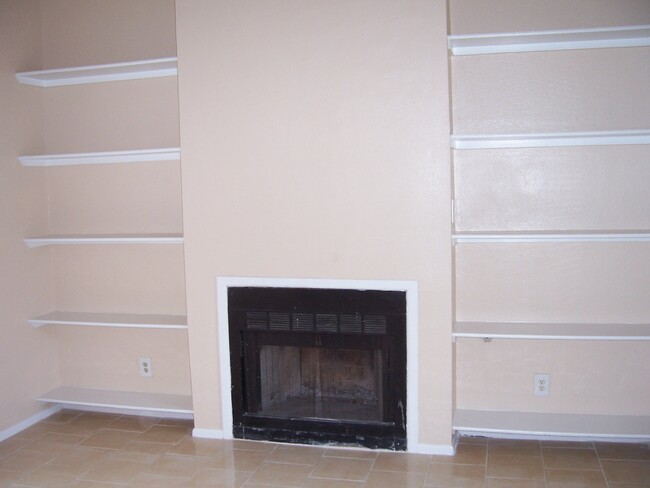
<point>91,450</point>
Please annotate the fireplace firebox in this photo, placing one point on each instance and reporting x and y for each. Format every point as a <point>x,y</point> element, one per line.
<point>318,366</point>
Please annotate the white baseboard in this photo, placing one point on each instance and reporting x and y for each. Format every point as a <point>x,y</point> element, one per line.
<point>435,449</point>
<point>208,433</point>
<point>27,423</point>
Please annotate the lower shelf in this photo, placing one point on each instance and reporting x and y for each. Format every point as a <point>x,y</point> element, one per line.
<point>495,423</point>
<point>127,400</point>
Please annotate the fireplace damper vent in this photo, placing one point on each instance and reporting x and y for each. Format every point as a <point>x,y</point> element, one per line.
<point>319,365</point>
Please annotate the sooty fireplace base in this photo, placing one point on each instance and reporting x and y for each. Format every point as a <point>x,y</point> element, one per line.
<point>319,365</point>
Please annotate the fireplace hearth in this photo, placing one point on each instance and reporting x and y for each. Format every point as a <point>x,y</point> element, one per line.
<point>318,366</point>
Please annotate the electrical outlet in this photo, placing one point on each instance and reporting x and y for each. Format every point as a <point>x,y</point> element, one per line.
<point>145,367</point>
<point>542,384</point>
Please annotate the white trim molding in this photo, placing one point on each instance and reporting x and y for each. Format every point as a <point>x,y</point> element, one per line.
<point>28,422</point>
<point>412,370</point>
<point>550,139</point>
<point>552,40</point>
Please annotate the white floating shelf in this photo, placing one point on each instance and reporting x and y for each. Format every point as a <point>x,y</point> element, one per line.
<point>104,239</point>
<point>583,426</point>
<point>125,320</point>
<point>133,156</point>
<point>90,397</point>
<point>554,40</point>
<point>133,70</point>
<point>544,237</point>
<point>558,139</point>
<point>551,331</point>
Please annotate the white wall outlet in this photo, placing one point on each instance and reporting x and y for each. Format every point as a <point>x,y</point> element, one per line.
<point>145,367</point>
<point>542,384</point>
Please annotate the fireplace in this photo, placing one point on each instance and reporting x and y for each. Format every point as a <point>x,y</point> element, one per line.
<point>318,366</point>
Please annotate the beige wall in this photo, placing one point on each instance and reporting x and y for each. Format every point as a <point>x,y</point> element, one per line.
<point>28,358</point>
<point>550,190</point>
<point>315,145</point>
<point>122,198</point>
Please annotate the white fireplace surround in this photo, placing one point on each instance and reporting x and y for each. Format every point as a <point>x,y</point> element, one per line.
<point>411,289</point>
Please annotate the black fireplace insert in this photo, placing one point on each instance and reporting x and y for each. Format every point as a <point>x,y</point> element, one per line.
<point>318,366</point>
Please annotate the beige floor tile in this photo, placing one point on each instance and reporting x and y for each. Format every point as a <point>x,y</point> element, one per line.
<point>135,455</point>
<point>93,484</point>
<point>482,441</point>
<point>455,475</point>
<point>34,432</point>
<point>514,483</point>
<point>83,425</point>
<point>53,470</point>
<point>114,471</point>
<point>79,458</point>
<point>629,452</point>
<point>218,478</point>
<point>25,461</point>
<point>12,444</point>
<point>569,458</point>
<point>285,475</point>
<point>42,480</point>
<point>8,477</point>
<point>342,469</point>
<point>568,444</point>
<point>629,485</point>
<point>295,454</point>
<point>58,438</point>
<point>133,423</point>
<point>395,479</point>
<point>238,460</point>
<point>110,439</point>
<point>323,483</point>
<point>191,446</point>
<point>510,446</point>
<point>148,451</point>
<point>402,461</point>
<point>63,416</point>
<point>165,434</point>
<point>465,454</point>
<point>627,471</point>
<point>350,453</point>
<point>154,481</point>
<point>575,478</point>
<point>177,466</point>
<point>247,445</point>
<point>515,466</point>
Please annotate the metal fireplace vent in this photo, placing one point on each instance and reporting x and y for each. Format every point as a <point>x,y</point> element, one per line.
<point>336,323</point>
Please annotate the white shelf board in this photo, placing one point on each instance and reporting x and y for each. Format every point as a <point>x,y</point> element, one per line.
<point>551,331</point>
<point>551,139</point>
<point>125,320</point>
<point>132,156</point>
<point>133,70</point>
<point>91,397</point>
<point>495,423</point>
<point>548,237</point>
<point>104,239</point>
<point>553,40</point>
